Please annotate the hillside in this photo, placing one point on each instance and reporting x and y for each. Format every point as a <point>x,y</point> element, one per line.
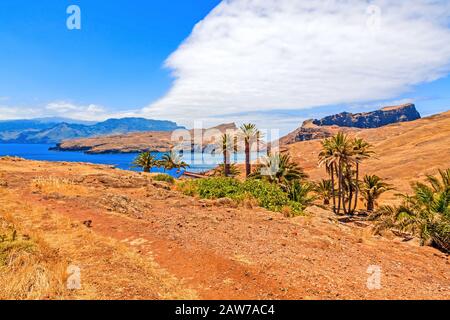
<point>404,151</point>
<point>132,238</point>
<point>48,131</point>
<point>143,141</point>
<point>323,128</point>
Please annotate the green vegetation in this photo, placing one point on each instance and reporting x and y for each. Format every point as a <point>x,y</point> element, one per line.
<point>233,170</point>
<point>169,161</point>
<point>425,214</point>
<point>250,135</point>
<point>372,187</point>
<point>268,195</point>
<point>146,161</point>
<point>164,178</point>
<point>342,158</point>
<point>279,169</point>
<point>324,190</point>
<point>172,160</point>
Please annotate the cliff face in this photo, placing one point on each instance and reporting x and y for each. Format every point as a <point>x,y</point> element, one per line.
<point>347,122</point>
<point>373,119</point>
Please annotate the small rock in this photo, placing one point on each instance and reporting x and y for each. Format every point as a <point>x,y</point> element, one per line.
<point>88,223</point>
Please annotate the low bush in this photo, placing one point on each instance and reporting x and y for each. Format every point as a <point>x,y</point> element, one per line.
<point>164,178</point>
<point>266,194</point>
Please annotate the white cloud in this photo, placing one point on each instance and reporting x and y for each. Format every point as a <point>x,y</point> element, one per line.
<point>57,109</point>
<point>261,55</point>
<point>80,112</point>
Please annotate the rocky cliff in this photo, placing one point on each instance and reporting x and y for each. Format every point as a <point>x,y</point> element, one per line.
<point>374,119</point>
<point>346,121</point>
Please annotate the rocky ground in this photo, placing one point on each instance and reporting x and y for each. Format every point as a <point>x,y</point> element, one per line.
<point>134,238</point>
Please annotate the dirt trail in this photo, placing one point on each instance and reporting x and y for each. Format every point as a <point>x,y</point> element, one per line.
<point>220,252</point>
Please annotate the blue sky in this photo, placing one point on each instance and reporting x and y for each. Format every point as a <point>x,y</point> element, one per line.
<point>271,62</point>
<point>115,60</point>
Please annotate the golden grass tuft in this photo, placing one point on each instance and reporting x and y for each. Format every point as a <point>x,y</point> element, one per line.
<point>56,185</point>
<point>48,243</point>
<point>29,269</point>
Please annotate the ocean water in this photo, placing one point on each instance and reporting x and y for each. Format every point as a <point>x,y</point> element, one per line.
<point>198,162</point>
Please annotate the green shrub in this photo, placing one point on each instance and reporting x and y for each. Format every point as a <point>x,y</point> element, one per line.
<point>164,178</point>
<point>268,195</point>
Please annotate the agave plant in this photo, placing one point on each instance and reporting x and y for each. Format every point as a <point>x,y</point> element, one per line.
<point>425,214</point>
<point>173,160</point>
<point>146,161</point>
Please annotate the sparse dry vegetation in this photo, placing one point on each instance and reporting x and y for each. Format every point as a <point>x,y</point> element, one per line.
<point>56,185</point>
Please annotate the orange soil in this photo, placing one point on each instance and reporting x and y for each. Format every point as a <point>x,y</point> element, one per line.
<point>201,249</point>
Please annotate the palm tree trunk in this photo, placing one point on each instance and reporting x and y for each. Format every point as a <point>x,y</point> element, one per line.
<point>340,196</point>
<point>248,167</point>
<point>350,194</point>
<point>357,188</point>
<point>333,191</point>
<point>226,162</point>
<point>370,205</point>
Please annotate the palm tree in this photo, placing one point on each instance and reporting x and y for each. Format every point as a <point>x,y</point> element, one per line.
<point>299,192</point>
<point>220,170</point>
<point>336,154</point>
<point>146,161</point>
<point>226,150</point>
<point>173,160</point>
<point>324,189</point>
<point>249,133</point>
<point>280,169</point>
<point>362,150</point>
<point>425,214</point>
<point>372,187</point>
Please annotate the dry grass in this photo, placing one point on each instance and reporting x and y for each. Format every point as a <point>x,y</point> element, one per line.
<point>56,185</point>
<point>36,263</point>
<point>29,268</point>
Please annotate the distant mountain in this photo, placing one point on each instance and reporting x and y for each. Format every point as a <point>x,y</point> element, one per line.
<point>145,141</point>
<point>66,120</point>
<point>50,131</point>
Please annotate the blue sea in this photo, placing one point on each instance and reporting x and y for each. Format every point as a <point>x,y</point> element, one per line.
<point>198,162</point>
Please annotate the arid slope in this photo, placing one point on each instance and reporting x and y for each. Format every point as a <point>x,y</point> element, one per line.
<point>404,151</point>
<point>135,238</point>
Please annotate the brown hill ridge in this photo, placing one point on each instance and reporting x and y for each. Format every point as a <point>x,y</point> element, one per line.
<point>157,141</point>
<point>404,151</point>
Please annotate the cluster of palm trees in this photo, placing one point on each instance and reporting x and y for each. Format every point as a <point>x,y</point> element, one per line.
<point>425,214</point>
<point>342,158</point>
<point>169,161</point>
<point>250,135</point>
